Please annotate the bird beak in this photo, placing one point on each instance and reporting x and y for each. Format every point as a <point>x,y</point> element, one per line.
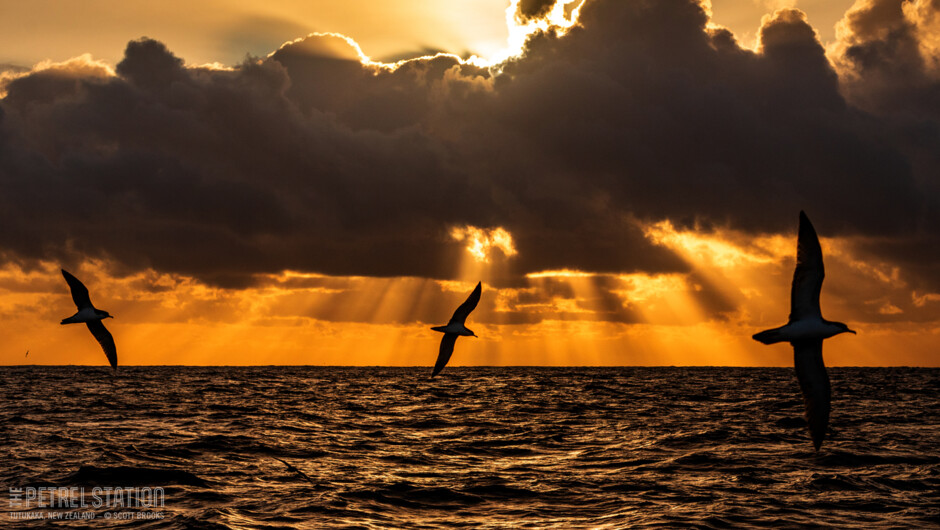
<point>112,316</point>
<point>852,332</point>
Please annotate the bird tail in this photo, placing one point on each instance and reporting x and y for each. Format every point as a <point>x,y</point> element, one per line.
<point>442,329</point>
<point>769,336</point>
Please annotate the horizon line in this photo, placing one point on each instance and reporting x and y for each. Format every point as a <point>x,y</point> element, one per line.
<point>421,366</point>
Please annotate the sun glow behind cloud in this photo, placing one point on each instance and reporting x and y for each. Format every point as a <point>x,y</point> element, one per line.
<point>482,241</point>
<point>559,19</point>
<point>562,17</point>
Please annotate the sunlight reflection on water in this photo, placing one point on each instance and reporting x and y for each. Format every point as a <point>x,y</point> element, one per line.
<point>491,447</point>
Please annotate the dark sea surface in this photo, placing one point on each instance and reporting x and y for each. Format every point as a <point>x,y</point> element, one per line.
<point>475,447</point>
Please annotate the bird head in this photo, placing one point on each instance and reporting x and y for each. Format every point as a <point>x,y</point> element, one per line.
<point>472,334</point>
<point>843,328</point>
<point>103,314</point>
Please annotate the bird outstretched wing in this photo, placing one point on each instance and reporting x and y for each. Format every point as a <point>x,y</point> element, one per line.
<point>105,339</point>
<point>809,273</point>
<point>462,312</point>
<point>814,382</point>
<point>79,291</point>
<point>447,349</point>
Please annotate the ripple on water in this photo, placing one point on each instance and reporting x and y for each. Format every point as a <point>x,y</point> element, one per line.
<point>481,447</point>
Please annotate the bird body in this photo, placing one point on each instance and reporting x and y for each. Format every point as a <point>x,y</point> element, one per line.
<point>91,316</point>
<point>806,329</point>
<point>456,328</point>
<point>86,314</point>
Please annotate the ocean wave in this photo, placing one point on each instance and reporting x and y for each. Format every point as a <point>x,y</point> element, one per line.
<point>481,447</point>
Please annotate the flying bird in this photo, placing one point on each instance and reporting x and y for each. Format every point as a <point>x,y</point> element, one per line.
<point>456,328</point>
<point>806,330</point>
<point>91,317</point>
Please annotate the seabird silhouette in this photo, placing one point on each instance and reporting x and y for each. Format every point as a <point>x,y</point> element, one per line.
<point>456,328</point>
<point>91,317</point>
<point>806,330</point>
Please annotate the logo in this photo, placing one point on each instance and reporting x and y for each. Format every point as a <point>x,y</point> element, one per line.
<point>54,503</point>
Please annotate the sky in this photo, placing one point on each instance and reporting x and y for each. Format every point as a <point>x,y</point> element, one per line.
<point>320,182</point>
<point>225,31</point>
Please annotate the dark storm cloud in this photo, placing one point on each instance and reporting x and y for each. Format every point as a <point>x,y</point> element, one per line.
<point>528,9</point>
<point>148,64</point>
<point>671,120</point>
<point>890,63</point>
<point>308,160</point>
<point>676,126</point>
<point>216,174</point>
<point>889,58</point>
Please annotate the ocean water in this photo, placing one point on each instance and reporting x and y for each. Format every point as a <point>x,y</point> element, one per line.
<point>475,447</point>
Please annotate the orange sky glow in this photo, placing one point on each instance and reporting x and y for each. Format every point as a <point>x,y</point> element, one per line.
<point>216,31</point>
<point>300,318</point>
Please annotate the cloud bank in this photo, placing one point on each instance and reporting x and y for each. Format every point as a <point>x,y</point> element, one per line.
<point>309,160</point>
